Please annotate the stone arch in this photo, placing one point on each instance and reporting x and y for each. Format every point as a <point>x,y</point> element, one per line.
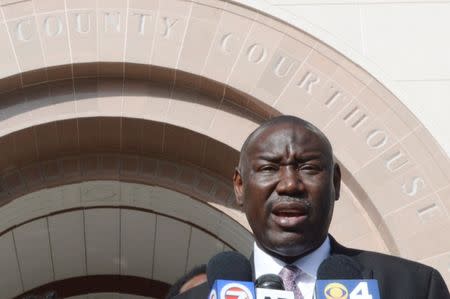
<point>222,68</point>
<point>95,146</point>
<point>116,229</point>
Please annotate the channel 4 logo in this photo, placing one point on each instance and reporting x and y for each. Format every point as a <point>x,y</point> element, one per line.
<point>347,289</point>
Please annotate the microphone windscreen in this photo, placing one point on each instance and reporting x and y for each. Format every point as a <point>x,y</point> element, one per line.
<point>339,267</point>
<point>269,281</point>
<point>228,265</point>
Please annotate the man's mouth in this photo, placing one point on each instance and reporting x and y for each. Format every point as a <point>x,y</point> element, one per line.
<point>289,214</point>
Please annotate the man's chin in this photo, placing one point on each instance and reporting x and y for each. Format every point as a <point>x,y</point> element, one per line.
<point>291,247</point>
<point>289,251</point>
<point>292,251</point>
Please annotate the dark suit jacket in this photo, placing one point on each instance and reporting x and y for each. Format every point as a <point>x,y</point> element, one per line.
<point>397,278</point>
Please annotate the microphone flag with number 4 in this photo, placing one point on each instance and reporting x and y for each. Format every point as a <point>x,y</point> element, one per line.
<point>347,289</point>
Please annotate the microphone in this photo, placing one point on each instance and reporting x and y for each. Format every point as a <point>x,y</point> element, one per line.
<point>339,266</point>
<point>270,281</point>
<point>270,286</point>
<point>340,277</point>
<point>229,275</point>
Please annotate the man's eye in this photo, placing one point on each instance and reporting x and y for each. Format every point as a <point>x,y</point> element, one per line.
<point>309,167</point>
<point>268,168</point>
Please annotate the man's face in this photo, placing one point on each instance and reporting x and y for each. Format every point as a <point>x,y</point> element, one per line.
<point>287,185</point>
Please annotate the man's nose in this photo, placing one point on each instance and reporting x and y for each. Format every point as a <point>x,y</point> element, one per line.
<point>290,182</point>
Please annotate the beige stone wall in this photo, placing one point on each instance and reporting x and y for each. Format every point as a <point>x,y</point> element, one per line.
<point>401,43</point>
<point>84,80</point>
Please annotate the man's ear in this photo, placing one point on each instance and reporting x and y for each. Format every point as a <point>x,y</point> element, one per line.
<point>337,181</point>
<point>238,187</point>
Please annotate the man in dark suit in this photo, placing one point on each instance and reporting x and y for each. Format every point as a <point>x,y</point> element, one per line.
<point>286,183</point>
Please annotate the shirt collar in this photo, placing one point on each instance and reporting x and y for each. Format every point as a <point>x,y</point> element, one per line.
<point>265,263</point>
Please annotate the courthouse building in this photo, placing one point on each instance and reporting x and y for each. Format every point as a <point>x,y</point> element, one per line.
<point>121,122</point>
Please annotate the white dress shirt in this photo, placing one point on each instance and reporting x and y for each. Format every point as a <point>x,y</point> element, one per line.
<point>266,264</point>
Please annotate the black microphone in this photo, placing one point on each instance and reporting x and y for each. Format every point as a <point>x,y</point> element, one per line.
<point>339,267</point>
<point>269,281</point>
<point>271,286</point>
<point>228,265</point>
<point>229,275</point>
<point>340,276</point>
